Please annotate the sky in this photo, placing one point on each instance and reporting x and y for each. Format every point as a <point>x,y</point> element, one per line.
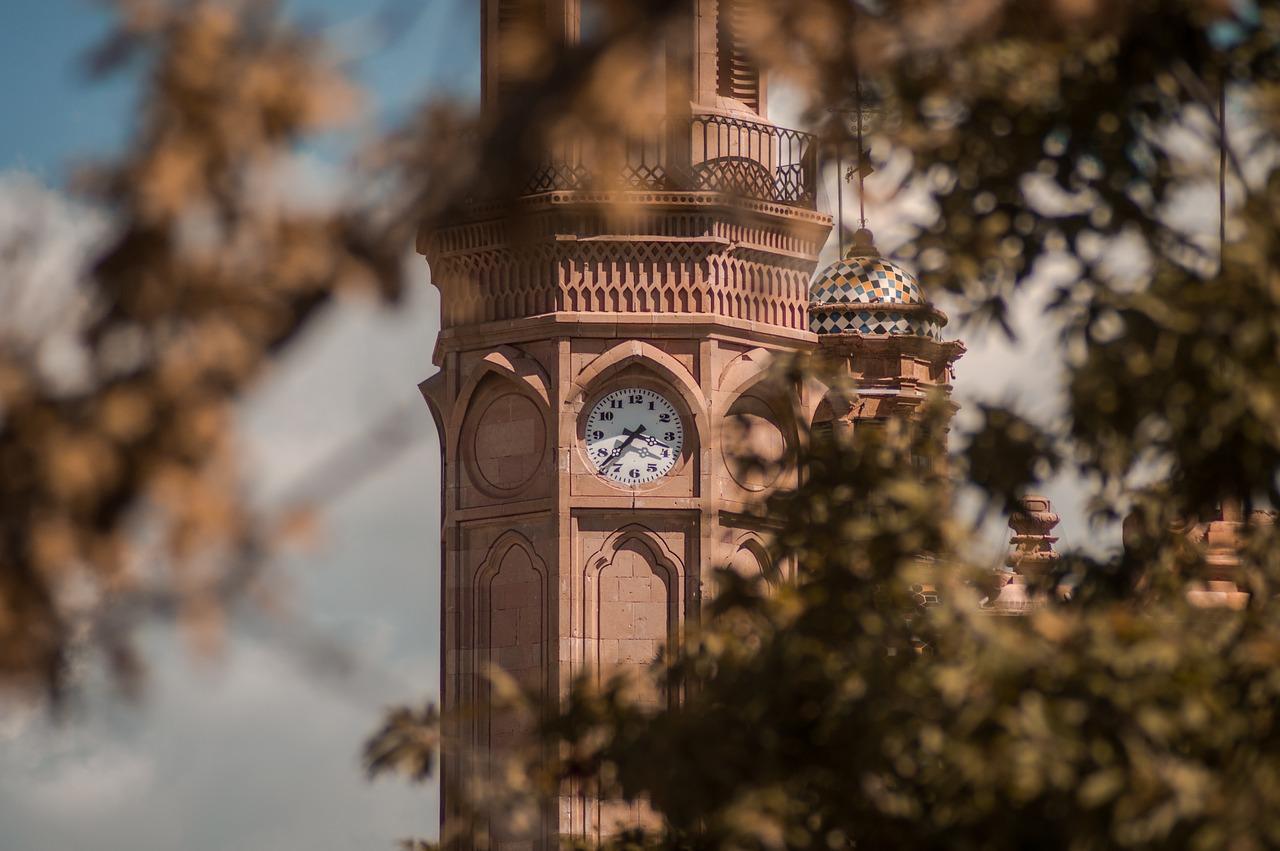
<point>259,749</point>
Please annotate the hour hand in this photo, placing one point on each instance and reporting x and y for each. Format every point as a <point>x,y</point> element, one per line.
<point>631,436</point>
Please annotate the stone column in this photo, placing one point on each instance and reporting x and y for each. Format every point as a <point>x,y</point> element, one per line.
<point>1031,557</point>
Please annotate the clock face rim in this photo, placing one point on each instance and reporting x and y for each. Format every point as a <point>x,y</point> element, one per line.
<point>677,446</point>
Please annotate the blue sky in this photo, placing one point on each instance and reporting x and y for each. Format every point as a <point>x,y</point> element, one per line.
<point>56,115</point>
<point>53,113</point>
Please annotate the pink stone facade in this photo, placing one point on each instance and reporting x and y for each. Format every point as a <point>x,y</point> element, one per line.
<point>551,570</point>
<point>554,300</point>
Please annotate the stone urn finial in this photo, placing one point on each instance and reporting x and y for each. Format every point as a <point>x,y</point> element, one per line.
<point>1031,555</point>
<point>1031,552</point>
<point>1222,539</point>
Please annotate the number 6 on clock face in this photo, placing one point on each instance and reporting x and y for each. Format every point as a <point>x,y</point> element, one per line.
<point>634,436</point>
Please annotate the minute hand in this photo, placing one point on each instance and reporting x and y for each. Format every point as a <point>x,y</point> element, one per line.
<point>617,453</point>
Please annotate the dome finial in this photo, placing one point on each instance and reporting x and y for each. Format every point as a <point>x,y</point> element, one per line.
<point>864,244</point>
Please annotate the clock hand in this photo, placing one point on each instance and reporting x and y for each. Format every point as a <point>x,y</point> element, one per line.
<point>651,443</point>
<point>617,453</point>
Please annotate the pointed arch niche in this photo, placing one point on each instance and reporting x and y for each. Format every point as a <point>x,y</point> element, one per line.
<point>634,363</point>
<point>749,556</point>
<point>633,604</point>
<point>510,628</point>
<point>636,353</point>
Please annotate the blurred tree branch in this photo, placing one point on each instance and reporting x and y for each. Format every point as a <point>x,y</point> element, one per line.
<point>835,711</point>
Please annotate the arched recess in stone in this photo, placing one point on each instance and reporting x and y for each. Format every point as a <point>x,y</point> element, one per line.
<point>757,445</point>
<point>500,429</point>
<point>759,430</point>
<point>831,409</point>
<point>744,369</point>
<point>510,631</point>
<point>505,362</point>
<point>816,396</point>
<point>505,442</point>
<point>750,557</point>
<point>432,391</point>
<point>633,604</point>
<point>636,352</point>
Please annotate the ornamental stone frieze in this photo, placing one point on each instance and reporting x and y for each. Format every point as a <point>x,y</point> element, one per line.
<point>704,254</point>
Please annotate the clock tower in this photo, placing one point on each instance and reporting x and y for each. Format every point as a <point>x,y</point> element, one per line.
<point>593,367</point>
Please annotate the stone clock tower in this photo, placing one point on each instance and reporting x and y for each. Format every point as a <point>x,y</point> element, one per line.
<point>590,366</point>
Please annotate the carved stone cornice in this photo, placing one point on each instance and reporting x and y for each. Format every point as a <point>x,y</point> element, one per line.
<point>630,216</point>
<point>613,326</point>
<point>720,203</point>
<point>853,345</point>
<point>627,253</point>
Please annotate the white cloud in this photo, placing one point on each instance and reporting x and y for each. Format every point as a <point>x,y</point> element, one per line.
<point>46,243</point>
<point>261,750</point>
<point>253,754</point>
<point>106,779</point>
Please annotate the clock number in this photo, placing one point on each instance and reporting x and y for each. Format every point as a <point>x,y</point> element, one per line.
<point>669,436</point>
<point>653,468</point>
<point>597,435</point>
<point>664,418</point>
<point>635,474</point>
<point>616,404</point>
<point>606,416</point>
<point>635,399</point>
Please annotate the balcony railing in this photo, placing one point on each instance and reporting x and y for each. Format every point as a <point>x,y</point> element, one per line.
<point>745,159</point>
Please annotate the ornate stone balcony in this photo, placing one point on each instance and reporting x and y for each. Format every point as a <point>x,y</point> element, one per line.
<point>707,153</point>
<point>712,216</point>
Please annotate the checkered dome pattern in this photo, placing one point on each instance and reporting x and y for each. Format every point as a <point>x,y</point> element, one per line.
<point>839,292</point>
<point>873,323</point>
<point>865,280</point>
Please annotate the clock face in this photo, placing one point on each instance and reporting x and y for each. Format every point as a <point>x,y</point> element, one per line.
<point>634,436</point>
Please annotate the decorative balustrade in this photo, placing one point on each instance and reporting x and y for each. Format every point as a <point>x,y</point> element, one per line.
<point>747,159</point>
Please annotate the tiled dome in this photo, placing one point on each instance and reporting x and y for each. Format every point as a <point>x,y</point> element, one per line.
<point>864,277</point>
<point>895,304</point>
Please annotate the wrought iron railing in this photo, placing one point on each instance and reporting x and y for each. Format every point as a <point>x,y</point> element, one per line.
<point>747,159</point>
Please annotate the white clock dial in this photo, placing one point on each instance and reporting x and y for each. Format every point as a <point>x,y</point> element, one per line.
<point>634,436</point>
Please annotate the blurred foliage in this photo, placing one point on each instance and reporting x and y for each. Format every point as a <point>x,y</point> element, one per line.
<point>836,710</point>
<point>840,710</point>
<point>121,491</point>
<point>1006,455</point>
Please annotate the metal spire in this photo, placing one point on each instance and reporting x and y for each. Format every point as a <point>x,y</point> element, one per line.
<point>862,165</point>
